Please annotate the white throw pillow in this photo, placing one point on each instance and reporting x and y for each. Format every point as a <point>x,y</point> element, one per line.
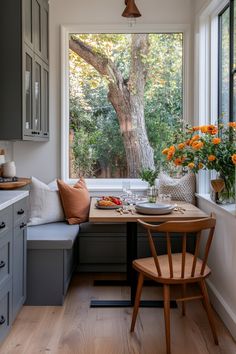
<point>179,188</point>
<point>45,204</point>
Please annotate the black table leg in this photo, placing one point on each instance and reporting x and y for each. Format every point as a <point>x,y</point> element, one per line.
<point>131,250</point>
<point>132,253</point>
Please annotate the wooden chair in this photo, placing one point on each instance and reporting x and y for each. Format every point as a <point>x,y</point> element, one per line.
<point>177,268</point>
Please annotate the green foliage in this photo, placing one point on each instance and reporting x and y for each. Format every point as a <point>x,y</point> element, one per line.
<point>93,119</point>
<point>149,176</point>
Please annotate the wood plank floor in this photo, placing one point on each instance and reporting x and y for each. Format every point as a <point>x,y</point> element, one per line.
<point>77,329</point>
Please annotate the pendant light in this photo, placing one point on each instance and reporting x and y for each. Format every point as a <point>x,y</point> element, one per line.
<point>131,10</point>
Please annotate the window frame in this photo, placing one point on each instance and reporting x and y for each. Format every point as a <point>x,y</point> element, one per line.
<point>232,59</point>
<point>232,71</point>
<point>206,74</point>
<point>115,184</point>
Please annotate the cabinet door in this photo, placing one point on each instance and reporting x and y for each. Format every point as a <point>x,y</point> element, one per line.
<point>5,310</point>
<point>45,101</point>
<point>45,25</point>
<point>27,14</point>
<point>19,267</point>
<point>28,93</point>
<point>37,120</point>
<point>37,26</point>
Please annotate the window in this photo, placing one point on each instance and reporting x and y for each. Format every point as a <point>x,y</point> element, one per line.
<point>227,64</point>
<point>125,101</point>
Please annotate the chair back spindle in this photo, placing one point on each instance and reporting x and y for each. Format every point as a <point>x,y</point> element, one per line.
<point>153,252</point>
<point>184,243</point>
<point>168,241</point>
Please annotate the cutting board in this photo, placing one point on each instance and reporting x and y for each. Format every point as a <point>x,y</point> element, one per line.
<point>13,185</point>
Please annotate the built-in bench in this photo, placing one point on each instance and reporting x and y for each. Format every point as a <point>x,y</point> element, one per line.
<point>51,259</point>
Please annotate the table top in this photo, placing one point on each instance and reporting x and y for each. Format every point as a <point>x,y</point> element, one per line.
<point>102,215</point>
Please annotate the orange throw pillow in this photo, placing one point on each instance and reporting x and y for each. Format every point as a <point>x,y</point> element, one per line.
<point>75,201</point>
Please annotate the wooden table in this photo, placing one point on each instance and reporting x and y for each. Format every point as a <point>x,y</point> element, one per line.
<point>190,212</point>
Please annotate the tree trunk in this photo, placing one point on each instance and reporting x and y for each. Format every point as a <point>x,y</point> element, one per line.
<point>127,99</point>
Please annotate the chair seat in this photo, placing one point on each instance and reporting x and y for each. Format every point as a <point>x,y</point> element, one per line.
<point>148,267</point>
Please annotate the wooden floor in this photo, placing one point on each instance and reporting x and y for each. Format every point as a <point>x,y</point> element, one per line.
<point>77,329</point>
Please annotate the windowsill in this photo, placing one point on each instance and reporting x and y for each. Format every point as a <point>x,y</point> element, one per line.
<point>226,209</point>
<point>112,184</point>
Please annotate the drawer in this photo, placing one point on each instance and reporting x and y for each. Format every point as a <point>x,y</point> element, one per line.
<point>20,210</point>
<point>5,310</point>
<point>5,257</point>
<point>5,220</point>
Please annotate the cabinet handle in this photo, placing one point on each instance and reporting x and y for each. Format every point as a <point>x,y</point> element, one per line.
<point>23,225</point>
<point>2,320</point>
<point>3,225</point>
<point>20,212</point>
<point>2,264</point>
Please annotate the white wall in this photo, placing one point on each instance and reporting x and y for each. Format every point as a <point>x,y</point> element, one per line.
<point>43,159</point>
<point>222,261</point>
<point>200,4</point>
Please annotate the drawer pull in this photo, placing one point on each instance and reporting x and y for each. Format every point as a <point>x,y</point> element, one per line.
<point>20,212</point>
<point>2,264</point>
<point>2,225</point>
<point>23,225</point>
<point>2,320</point>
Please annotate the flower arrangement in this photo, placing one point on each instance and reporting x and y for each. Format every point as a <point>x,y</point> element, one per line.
<point>206,147</point>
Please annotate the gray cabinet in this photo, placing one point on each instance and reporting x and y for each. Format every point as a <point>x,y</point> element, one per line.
<point>13,241</point>
<point>35,26</point>
<point>19,256</point>
<point>24,102</point>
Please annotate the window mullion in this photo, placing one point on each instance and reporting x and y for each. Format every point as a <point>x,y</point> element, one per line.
<point>232,69</point>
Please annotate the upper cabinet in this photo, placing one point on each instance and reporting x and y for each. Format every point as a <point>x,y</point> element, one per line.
<point>24,84</point>
<point>35,26</point>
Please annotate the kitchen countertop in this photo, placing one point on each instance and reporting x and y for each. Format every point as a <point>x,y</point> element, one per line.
<point>8,198</point>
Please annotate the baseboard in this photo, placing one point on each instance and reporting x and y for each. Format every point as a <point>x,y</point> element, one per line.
<point>222,308</point>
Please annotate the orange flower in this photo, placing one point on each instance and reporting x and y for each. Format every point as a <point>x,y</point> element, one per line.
<point>165,151</point>
<point>181,146</point>
<point>203,128</point>
<point>195,137</point>
<point>191,165</point>
<point>216,141</point>
<point>200,165</point>
<point>212,129</point>
<point>178,161</point>
<point>211,158</point>
<point>196,145</point>
<point>172,148</point>
<point>233,157</point>
<point>196,128</point>
<point>188,142</point>
<point>232,124</point>
<point>169,155</point>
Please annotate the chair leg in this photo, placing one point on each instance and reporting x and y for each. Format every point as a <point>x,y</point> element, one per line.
<point>137,301</point>
<point>166,293</point>
<point>183,302</point>
<point>208,309</point>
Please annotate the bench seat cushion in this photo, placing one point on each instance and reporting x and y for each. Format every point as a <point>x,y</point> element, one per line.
<point>57,235</point>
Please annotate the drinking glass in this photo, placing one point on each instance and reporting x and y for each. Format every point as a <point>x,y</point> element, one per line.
<point>126,188</point>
